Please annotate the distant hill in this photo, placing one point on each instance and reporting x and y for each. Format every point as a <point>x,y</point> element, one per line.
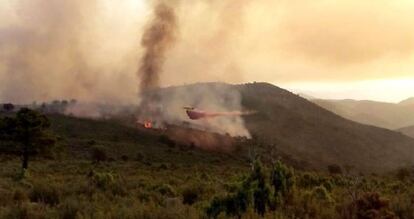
<point>407,102</point>
<point>408,131</point>
<point>387,115</point>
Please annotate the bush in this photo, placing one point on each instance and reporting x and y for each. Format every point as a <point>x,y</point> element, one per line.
<point>26,211</point>
<point>98,154</point>
<point>162,166</point>
<point>404,174</point>
<point>233,205</point>
<point>139,157</point>
<point>165,189</point>
<point>320,193</point>
<point>44,193</point>
<point>215,208</point>
<point>118,188</point>
<point>334,169</point>
<point>8,107</point>
<point>167,141</point>
<point>103,180</point>
<point>69,209</point>
<point>20,196</point>
<point>5,197</point>
<point>371,205</point>
<point>191,194</point>
<point>282,179</point>
<point>124,158</point>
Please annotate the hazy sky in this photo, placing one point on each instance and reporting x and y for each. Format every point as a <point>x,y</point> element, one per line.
<point>328,49</point>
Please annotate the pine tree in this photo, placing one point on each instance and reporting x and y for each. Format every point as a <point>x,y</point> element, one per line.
<point>27,132</point>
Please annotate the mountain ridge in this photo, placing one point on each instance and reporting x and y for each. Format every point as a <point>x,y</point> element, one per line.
<point>382,114</point>
<point>409,101</point>
<point>409,131</point>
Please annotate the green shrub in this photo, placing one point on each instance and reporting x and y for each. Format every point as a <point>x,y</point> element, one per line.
<point>334,169</point>
<point>167,141</point>
<point>139,157</point>
<point>21,174</point>
<point>103,180</point>
<point>163,166</point>
<point>233,204</point>
<point>20,196</point>
<point>371,205</point>
<point>98,154</point>
<point>215,208</point>
<point>402,205</point>
<point>124,158</point>
<point>91,142</point>
<point>165,189</point>
<point>69,209</point>
<point>118,188</point>
<point>328,185</point>
<point>5,197</point>
<point>320,193</point>
<point>45,192</point>
<point>26,211</point>
<point>192,193</point>
<point>404,174</point>
<point>282,179</point>
<point>143,196</point>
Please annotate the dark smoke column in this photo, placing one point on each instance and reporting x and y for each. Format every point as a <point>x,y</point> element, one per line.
<point>158,37</point>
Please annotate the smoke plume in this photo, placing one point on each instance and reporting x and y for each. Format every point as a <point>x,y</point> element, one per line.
<point>60,50</point>
<point>158,37</point>
<point>88,50</point>
<point>218,97</point>
<point>163,107</point>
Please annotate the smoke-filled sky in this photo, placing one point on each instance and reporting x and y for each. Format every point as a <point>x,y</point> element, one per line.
<point>90,50</point>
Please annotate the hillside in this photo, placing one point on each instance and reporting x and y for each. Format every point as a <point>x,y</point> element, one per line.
<point>318,137</point>
<point>284,125</point>
<point>112,168</point>
<point>309,136</point>
<point>387,115</point>
<point>408,131</point>
<point>80,136</point>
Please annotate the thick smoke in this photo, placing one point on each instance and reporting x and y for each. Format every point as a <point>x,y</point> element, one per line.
<point>218,97</point>
<point>59,50</point>
<point>88,50</point>
<point>39,47</point>
<point>166,106</point>
<point>158,37</point>
<point>211,42</point>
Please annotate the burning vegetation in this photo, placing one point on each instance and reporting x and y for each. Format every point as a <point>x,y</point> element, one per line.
<point>147,124</point>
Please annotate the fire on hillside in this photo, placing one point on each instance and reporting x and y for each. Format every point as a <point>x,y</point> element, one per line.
<point>191,136</point>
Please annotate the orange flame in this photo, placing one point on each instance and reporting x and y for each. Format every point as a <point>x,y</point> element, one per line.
<point>148,124</point>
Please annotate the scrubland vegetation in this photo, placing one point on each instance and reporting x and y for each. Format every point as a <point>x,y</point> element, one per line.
<point>142,189</point>
<point>102,169</point>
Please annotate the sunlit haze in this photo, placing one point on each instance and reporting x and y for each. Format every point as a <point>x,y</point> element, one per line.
<point>387,90</point>
<point>91,49</point>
